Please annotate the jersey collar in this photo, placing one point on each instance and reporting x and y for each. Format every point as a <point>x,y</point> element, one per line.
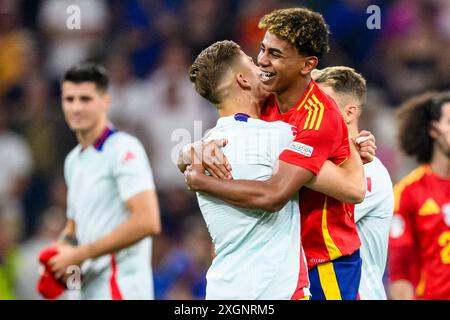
<point>107,132</point>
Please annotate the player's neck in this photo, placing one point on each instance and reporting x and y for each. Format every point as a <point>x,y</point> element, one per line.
<point>239,104</point>
<point>440,164</point>
<point>289,97</point>
<point>353,129</point>
<point>87,138</point>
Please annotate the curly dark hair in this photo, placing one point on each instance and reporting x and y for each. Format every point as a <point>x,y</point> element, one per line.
<point>414,118</point>
<point>302,27</point>
<point>209,66</point>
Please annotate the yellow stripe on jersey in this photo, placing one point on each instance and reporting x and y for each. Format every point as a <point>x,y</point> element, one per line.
<point>420,289</point>
<point>309,116</point>
<point>333,250</point>
<point>322,109</point>
<point>328,281</point>
<point>305,98</point>
<point>414,176</point>
<point>316,108</point>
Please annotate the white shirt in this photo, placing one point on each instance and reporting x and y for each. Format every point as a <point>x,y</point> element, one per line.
<point>373,219</point>
<point>257,253</point>
<point>100,179</point>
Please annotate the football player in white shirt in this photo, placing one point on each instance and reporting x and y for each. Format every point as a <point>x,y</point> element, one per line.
<point>258,254</point>
<point>112,204</point>
<point>373,215</point>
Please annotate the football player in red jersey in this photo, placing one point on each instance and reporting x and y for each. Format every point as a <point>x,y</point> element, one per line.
<point>419,247</point>
<point>295,39</point>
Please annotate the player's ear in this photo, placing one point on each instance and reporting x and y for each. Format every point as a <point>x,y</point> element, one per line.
<point>242,81</point>
<point>106,99</point>
<point>434,130</point>
<point>350,113</point>
<point>308,65</point>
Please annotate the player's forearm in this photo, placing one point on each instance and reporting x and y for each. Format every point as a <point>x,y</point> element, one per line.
<point>243,193</point>
<point>126,234</point>
<point>68,235</point>
<point>345,183</point>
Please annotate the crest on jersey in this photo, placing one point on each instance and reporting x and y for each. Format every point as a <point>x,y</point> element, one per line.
<point>446,212</point>
<point>397,226</point>
<point>301,148</point>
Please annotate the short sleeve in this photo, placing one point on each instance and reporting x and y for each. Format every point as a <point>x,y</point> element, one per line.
<point>131,168</point>
<point>312,147</point>
<point>67,174</point>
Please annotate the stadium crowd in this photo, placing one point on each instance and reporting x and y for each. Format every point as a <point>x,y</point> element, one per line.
<point>147,46</point>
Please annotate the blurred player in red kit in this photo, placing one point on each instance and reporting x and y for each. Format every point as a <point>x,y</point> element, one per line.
<point>419,249</point>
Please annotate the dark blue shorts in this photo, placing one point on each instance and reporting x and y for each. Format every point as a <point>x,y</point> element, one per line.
<point>337,280</point>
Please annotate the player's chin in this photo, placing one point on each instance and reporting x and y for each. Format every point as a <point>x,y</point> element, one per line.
<point>268,87</point>
<point>79,126</point>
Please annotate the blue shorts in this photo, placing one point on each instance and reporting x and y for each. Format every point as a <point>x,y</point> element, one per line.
<point>336,280</point>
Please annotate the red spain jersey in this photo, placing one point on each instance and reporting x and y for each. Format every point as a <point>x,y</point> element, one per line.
<point>328,225</point>
<point>419,243</point>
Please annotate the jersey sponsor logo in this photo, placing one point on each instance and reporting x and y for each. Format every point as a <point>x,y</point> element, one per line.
<point>430,207</point>
<point>397,226</point>
<point>301,148</point>
<point>128,157</point>
<point>446,212</point>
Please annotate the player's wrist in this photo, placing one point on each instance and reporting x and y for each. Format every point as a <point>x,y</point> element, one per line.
<point>86,252</point>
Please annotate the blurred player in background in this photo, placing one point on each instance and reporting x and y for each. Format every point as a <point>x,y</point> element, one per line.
<point>250,262</point>
<point>112,204</point>
<point>419,247</point>
<point>295,40</point>
<point>373,215</point>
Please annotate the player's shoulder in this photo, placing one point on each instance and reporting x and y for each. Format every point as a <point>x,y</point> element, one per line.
<point>377,170</point>
<point>414,178</point>
<point>71,156</point>
<point>323,111</point>
<point>243,121</point>
<point>121,139</point>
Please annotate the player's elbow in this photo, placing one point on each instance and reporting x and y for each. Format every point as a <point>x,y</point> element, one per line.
<point>356,195</point>
<point>150,229</point>
<point>148,226</point>
<point>272,203</point>
<point>153,227</point>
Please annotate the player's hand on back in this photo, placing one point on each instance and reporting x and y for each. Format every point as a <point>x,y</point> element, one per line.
<point>366,145</point>
<point>212,157</point>
<point>193,175</point>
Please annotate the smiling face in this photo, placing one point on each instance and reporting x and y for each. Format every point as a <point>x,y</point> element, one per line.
<point>280,64</point>
<point>83,105</point>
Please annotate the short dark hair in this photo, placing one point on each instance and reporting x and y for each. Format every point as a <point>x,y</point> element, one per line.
<point>343,80</point>
<point>414,118</point>
<point>209,67</point>
<point>88,72</point>
<point>305,29</point>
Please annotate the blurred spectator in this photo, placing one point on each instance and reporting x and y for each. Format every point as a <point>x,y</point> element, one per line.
<point>14,44</point>
<point>170,115</point>
<point>181,274</point>
<point>65,46</point>
<point>49,227</point>
<point>249,36</point>
<point>415,55</point>
<point>16,165</point>
<point>10,229</point>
